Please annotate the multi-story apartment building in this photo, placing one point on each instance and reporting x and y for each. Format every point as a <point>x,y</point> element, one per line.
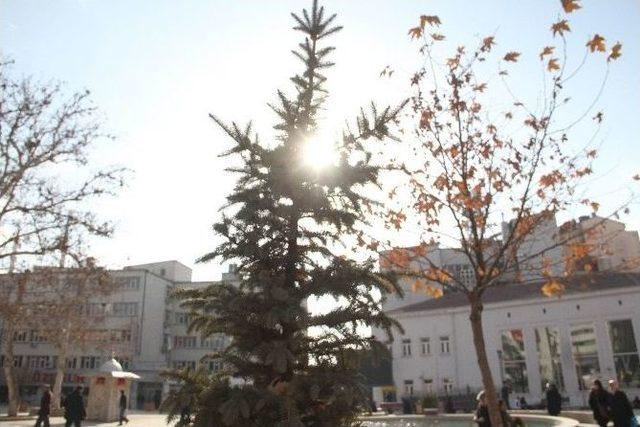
<point>139,324</point>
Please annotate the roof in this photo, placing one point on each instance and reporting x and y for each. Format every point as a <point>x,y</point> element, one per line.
<point>579,284</point>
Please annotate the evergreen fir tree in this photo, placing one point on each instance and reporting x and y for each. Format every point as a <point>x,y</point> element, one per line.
<point>282,224</point>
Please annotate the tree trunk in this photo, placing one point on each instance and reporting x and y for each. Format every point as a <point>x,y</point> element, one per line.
<point>57,384</point>
<point>9,370</point>
<point>490,393</point>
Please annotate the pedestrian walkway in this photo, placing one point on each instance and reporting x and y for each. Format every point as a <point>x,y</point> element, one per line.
<point>136,420</point>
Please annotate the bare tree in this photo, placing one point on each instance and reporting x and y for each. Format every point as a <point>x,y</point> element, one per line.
<point>476,160</point>
<point>45,182</point>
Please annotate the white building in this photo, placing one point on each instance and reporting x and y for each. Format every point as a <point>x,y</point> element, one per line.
<point>147,331</point>
<point>592,331</point>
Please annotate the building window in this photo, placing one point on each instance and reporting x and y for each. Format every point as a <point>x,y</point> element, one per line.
<point>127,283</point>
<point>548,347</point>
<point>89,362</point>
<point>447,385</point>
<point>427,386</point>
<point>20,336</point>
<point>184,364</point>
<point>38,362</point>
<point>184,342</point>
<point>425,346</point>
<point>406,348</point>
<point>181,318</point>
<point>444,345</point>
<point>215,365</point>
<point>514,365</point>
<point>17,361</point>
<point>625,352</point>
<point>37,337</point>
<point>584,349</point>
<point>125,309</point>
<point>408,387</point>
<point>71,363</point>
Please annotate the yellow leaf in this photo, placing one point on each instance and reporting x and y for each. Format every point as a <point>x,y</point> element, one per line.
<point>570,5</point>
<point>553,288</point>
<point>548,50</point>
<point>553,65</point>
<point>433,291</point>
<point>597,43</point>
<point>560,27</point>
<point>512,56</point>
<point>615,52</point>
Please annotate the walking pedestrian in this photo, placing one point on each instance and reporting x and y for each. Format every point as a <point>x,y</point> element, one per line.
<point>74,411</point>
<point>554,400</point>
<point>45,407</point>
<point>504,393</point>
<point>122,403</point>
<point>599,403</point>
<point>619,406</point>
<point>482,411</point>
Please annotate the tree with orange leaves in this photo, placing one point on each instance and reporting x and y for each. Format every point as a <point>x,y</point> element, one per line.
<point>476,162</point>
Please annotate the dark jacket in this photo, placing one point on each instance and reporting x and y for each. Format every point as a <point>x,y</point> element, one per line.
<point>482,415</point>
<point>599,403</point>
<point>45,403</point>
<point>620,409</point>
<point>554,401</point>
<point>74,407</point>
<point>123,401</point>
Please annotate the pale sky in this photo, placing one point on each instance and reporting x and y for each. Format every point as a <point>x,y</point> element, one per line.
<point>157,68</point>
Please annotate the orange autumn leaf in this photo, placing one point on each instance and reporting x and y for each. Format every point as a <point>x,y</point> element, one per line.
<point>596,43</point>
<point>512,56</point>
<point>560,27</point>
<point>415,33</point>
<point>548,50</point>
<point>553,65</point>
<point>433,291</point>
<point>553,288</point>
<point>431,20</point>
<point>615,52</point>
<point>570,5</point>
<point>487,42</point>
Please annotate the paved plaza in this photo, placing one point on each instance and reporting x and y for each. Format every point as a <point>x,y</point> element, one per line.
<point>136,420</point>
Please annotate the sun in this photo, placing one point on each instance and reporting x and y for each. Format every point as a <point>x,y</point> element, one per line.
<point>320,152</point>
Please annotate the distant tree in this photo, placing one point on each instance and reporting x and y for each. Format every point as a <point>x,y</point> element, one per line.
<point>476,159</point>
<point>57,303</point>
<point>45,140</point>
<point>284,223</point>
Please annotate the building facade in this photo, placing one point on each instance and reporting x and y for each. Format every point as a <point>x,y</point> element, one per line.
<point>592,331</point>
<point>139,324</point>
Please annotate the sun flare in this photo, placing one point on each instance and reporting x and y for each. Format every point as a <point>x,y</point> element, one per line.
<point>320,152</point>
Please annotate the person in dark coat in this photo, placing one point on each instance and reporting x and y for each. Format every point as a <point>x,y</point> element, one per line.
<point>599,403</point>
<point>122,406</point>
<point>554,400</point>
<point>45,407</point>
<point>619,406</point>
<point>504,394</point>
<point>74,411</point>
<point>482,411</point>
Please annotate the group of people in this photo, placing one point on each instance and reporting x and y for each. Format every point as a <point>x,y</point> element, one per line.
<point>74,409</point>
<point>73,404</point>
<point>612,405</point>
